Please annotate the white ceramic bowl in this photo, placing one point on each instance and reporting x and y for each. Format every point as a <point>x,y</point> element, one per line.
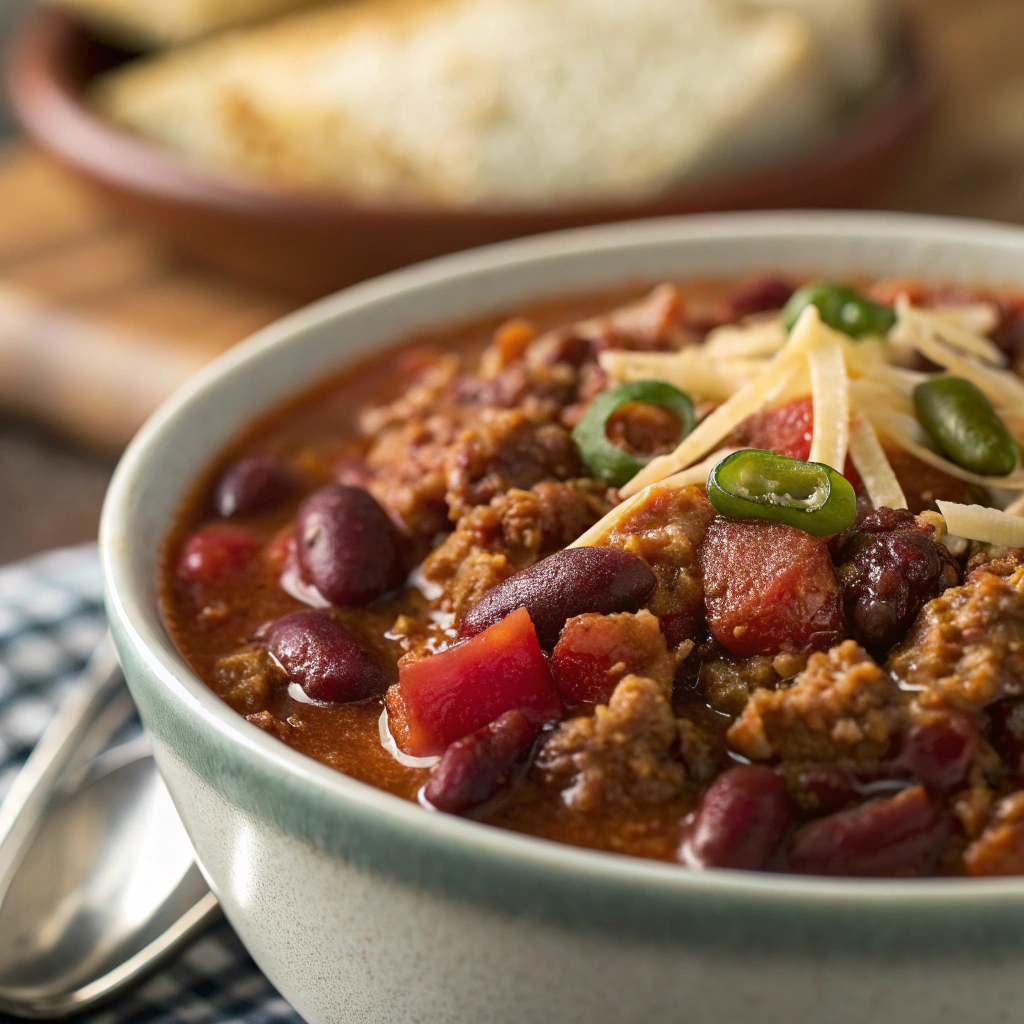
<point>362,907</point>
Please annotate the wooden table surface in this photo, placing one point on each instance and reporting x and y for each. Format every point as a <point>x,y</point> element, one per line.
<point>98,323</point>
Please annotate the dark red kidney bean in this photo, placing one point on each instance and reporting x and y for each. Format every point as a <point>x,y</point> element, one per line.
<point>886,836</point>
<point>326,658</point>
<point>253,485</point>
<point>474,768</point>
<point>216,551</point>
<point>567,583</point>
<point>347,546</point>
<point>939,753</point>
<point>888,568</point>
<point>740,822</point>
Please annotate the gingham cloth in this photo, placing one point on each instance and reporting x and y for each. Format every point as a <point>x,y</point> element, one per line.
<point>51,617</point>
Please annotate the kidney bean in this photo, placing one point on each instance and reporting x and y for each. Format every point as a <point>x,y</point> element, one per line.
<point>215,551</point>
<point>253,485</point>
<point>741,820</point>
<point>347,546</point>
<point>474,768</point>
<point>326,658</point>
<point>567,583</point>
<point>888,569</point>
<point>885,836</point>
<point>938,753</point>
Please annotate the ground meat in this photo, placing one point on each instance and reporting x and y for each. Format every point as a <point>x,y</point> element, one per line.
<point>667,532</point>
<point>726,684</point>
<point>700,755</point>
<point>516,529</point>
<point>841,705</point>
<point>594,652</point>
<point>505,449</point>
<point>768,588</point>
<point>888,568</point>
<point>999,850</point>
<point>268,723</point>
<point>968,645</point>
<point>407,467</point>
<point>623,754</point>
<point>245,679</point>
<point>431,383</point>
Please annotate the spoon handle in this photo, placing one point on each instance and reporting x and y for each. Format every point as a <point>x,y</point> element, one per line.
<point>60,745</point>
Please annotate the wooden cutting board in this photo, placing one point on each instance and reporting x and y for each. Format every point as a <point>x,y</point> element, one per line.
<point>98,324</point>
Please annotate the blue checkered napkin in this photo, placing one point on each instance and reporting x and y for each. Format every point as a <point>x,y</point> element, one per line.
<point>51,617</point>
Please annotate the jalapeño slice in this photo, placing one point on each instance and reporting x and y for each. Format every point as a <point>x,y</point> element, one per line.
<point>757,484</point>
<point>606,460</point>
<point>841,307</point>
<point>967,428</point>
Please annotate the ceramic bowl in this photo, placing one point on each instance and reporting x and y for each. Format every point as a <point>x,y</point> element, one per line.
<point>362,907</point>
<point>308,244</point>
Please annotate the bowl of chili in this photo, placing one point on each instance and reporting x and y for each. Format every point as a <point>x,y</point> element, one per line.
<point>359,904</point>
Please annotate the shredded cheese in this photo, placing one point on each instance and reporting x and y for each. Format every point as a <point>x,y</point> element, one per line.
<point>831,398</point>
<point>1000,387</point>
<point>755,338</point>
<point>732,413</point>
<point>953,325</point>
<point>977,317</point>
<point>691,369</point>
<point>869,460</point>
<point>986,525</point>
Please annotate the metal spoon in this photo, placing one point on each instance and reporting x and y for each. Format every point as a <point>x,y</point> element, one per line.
<point>98,881</point>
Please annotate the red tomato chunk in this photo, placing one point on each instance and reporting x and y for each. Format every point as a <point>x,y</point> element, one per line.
<point>216,551</point>
<point>449,695</point>
<point>769,588</point>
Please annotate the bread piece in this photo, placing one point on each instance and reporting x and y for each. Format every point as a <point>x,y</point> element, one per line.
<point>853,36</point>
<point>150,23</point>
<point>475,102</point>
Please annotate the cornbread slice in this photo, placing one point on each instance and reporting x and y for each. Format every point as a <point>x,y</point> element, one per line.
<point>477,102</point>
<point>167,22</point>
<point>854,37</point>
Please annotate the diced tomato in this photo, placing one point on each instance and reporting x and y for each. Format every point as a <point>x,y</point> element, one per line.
<point>450,694</point>
<point>769,588</point>
<point>215,551</point>
<point>787,431</point>
<point>594,652</point>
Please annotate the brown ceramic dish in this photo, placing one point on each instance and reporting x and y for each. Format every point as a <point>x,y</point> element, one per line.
<point>308,245</point>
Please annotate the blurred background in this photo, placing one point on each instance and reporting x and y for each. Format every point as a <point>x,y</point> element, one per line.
<point>169,184</point>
